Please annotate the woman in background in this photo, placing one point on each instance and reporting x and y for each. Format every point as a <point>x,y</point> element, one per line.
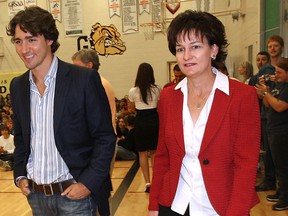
<point>143,98</point>
<point>121,130</point>
<point>125,138</point>
<point>246,70</point>
<point>209,134</point>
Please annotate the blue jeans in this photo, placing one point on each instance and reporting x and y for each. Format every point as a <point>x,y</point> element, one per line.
<point>42,205</point>
<point>125,154</point>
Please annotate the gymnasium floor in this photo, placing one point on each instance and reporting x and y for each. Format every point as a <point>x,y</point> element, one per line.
<point>128,197</point>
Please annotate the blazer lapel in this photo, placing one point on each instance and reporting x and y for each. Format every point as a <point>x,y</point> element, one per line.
<point>24,102</point>
<point>61,91</point>
<point>220,105</point>
<point>177,117</point>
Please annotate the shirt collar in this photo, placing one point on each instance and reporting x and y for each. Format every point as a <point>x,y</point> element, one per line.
<point>51,72</point>
<point>221,82</point>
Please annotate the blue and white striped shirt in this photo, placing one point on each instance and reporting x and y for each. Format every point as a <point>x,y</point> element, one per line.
<point>45,164</point>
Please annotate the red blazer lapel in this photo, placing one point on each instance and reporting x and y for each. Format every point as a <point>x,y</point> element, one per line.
<point>177,107</point>
<point>220,105</point>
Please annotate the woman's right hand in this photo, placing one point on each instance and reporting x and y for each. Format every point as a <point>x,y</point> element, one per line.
<point>153,213</point>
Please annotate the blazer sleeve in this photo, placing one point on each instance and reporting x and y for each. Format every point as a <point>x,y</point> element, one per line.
<point>246,153</point>
<point>101,132</point>
<point>161,160</point>
<point>19,89</point>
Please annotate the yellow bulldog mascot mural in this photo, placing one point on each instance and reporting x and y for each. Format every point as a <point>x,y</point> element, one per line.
<point>105,40</point>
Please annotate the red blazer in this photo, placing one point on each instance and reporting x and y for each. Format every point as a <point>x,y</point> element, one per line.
<point>229,152</point>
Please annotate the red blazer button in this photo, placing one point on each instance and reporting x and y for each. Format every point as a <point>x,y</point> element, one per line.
<point>206,162</point>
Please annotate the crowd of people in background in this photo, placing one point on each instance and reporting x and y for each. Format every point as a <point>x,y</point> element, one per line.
<point>6,128</point>
<point>271,83</point>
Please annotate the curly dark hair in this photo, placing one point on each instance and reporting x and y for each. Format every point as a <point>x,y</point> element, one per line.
<point>36,21</point>
<point>204,25</point>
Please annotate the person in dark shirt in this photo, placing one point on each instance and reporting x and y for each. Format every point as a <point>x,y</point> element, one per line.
<point>276,100</point>
<point>126,147</point>
<point>275,45</point>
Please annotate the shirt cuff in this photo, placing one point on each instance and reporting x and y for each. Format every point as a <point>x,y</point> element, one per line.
<point>18,179</point>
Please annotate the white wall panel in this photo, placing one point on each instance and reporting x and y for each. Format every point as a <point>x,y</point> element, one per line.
<point>121,70</point>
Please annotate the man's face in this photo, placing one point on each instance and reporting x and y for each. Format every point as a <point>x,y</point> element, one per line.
<point>178,75</point>
<point>261,60</point>
<point>274,49</point>
<point>35,51</point>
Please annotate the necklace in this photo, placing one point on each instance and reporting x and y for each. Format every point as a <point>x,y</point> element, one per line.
<point>198,104</point>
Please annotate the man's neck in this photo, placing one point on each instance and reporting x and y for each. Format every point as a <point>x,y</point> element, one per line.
<point>39,73</point>
<point>274,60</point>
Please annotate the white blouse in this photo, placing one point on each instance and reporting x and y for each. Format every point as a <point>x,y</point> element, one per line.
<point>191,188</point>
<point>135,96</point>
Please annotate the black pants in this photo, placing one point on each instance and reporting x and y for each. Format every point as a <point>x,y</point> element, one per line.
<point>279,152</point>
<point>269,173</point>
<point>166,211</point>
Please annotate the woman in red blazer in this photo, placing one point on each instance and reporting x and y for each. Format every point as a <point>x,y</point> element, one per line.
<point>209,134</point>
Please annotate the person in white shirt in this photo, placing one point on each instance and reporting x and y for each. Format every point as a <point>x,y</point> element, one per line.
<point>6,148</point>
<point>143,99</point>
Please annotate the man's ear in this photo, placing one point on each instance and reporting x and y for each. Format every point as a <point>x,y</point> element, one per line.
<point>50,42</point>
<point>89,65</point>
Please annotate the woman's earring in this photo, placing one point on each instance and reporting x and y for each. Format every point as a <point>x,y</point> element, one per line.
<point>213,56</point>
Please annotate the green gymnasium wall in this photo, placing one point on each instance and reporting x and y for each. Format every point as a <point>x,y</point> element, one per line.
<point>272,19</point>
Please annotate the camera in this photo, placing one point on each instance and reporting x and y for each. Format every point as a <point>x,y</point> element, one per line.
<point>266,77</point>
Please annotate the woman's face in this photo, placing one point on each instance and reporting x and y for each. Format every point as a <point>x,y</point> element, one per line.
<point>242,70</point>
<point>121,123</point>
<point>194,55</point>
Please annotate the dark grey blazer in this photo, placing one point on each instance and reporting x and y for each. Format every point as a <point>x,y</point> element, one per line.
<point>82,125</point>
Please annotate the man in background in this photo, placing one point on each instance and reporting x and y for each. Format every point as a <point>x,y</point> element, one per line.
<point>178,76</point>
<point>88,58</point>
<point>262,59</point>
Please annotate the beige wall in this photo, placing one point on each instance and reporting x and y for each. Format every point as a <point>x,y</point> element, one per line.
<point>121,70</point>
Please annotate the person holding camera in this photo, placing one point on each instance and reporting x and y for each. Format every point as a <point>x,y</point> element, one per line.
<point>275,46</point>
<point>276,100</point>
